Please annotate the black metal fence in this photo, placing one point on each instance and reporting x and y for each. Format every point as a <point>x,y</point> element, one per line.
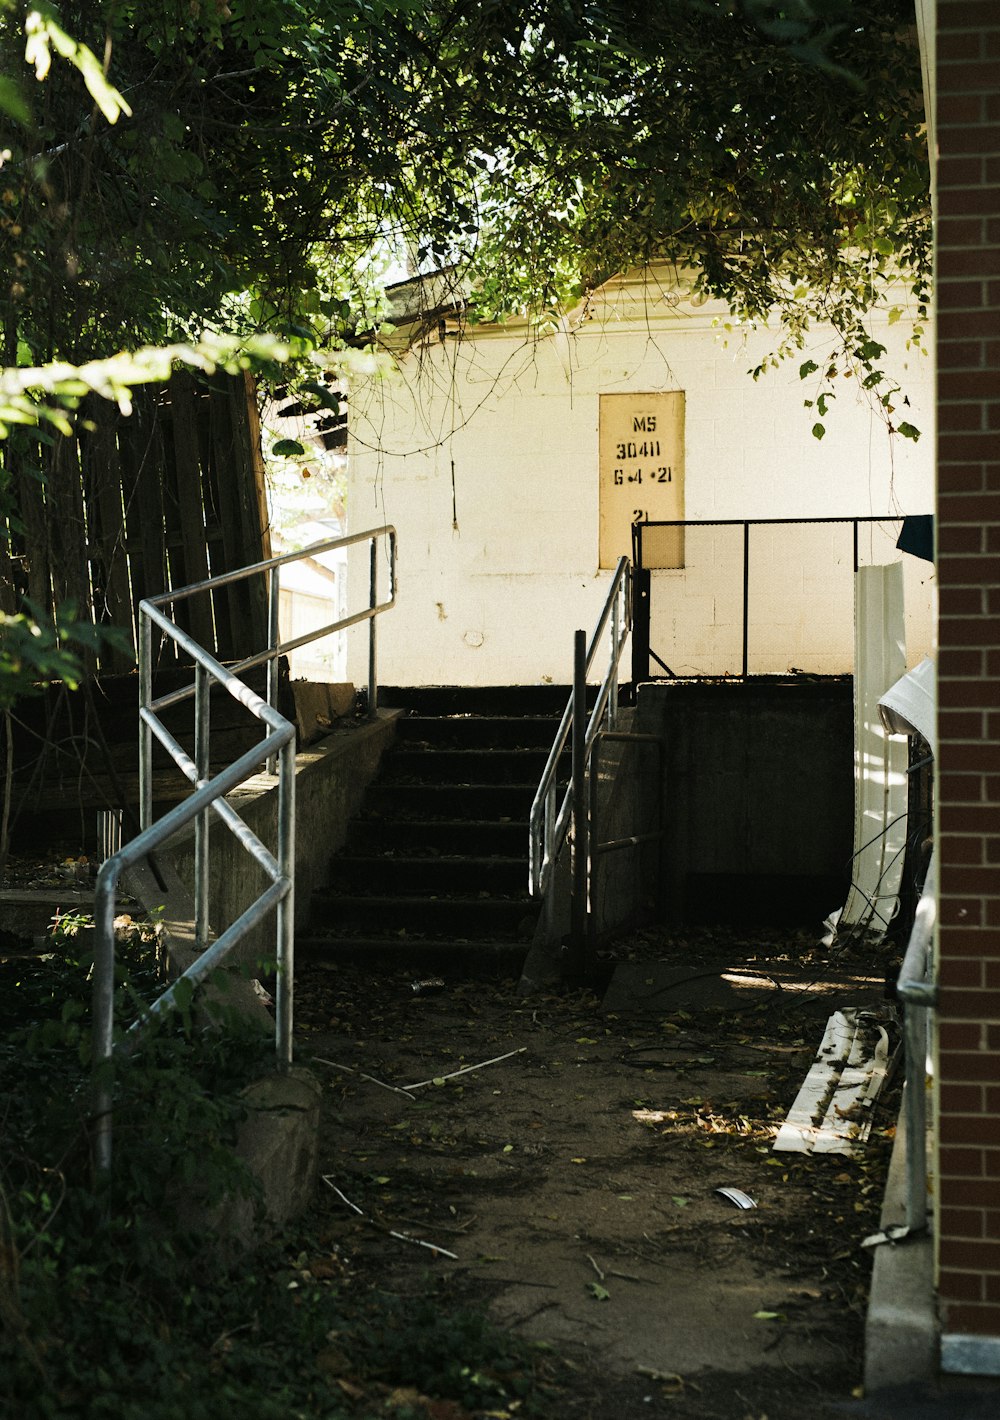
<point>644,539</point>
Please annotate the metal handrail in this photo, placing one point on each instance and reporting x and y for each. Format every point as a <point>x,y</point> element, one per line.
<point>641,648</point>
<point>277,749</point>
<point>275,648</point>
<point>549,821</point>
<point>917,989</point>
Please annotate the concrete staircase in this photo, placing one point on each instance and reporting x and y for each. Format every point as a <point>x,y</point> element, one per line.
<point>434,872</point>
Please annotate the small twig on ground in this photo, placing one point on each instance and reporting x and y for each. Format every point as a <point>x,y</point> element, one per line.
<point>402,1237</point>
<point>465,1069</point>
<point>625,1276</point>
<point>594,1266</point>
<point>452,1227</point>
<point>395,1089</point>
<point>419,1242</point>
<point>531,1315</point>
<point>670,1377</point>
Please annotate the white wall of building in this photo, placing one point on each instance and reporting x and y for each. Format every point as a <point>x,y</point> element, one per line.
<point>483,452</point>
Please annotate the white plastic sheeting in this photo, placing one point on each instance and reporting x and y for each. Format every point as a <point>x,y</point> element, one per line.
<point>913,701</point>
<point>880,760</point>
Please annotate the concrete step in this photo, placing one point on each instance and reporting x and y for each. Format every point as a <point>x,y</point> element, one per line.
<point>456,958</point>
<point>435,837</point>
<point>475,765</point>
<point>421,800</point>
<point>471,918</point>
<point>435,869</point>
<point>509,701</point>
<point>477,731</point>
<point>394,873</point>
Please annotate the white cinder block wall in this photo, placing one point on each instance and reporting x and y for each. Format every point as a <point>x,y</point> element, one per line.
<point>483,452</point>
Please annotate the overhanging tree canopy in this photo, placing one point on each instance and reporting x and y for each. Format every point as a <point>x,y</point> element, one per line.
<point>278,150</point>
<point>247,168</point>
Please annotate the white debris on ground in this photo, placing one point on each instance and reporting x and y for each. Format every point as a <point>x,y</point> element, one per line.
<point>832,1112</point>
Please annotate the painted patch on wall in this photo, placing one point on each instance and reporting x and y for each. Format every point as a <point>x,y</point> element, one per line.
<point>641,448</point>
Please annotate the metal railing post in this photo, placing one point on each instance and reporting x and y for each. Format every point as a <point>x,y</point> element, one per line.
<point>640,609</point>
<point>640,625</point>
<point>202,760</point>
<point>616,616</point>
<point>102,1036</point>
<point>372,635</point>
<point>581,807</point>
<point>145,732</point>
<point>286,908</point>
<point>273,641</point>
<point>746,599</point>
<point>593,783</point>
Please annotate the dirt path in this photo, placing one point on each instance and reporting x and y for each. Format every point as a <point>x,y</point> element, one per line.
<point>574,1181</point>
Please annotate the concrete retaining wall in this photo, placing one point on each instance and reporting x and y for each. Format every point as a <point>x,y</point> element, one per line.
<point>757,793</point>
<point>330,781</point>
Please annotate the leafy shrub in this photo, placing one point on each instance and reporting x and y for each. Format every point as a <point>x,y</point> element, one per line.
<point>112,1307</point>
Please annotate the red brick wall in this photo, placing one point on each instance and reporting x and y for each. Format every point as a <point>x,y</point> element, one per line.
<point>968,347</point>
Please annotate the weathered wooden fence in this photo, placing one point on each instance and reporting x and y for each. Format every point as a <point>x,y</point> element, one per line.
<point>130,507</point>
<point>124,509</point>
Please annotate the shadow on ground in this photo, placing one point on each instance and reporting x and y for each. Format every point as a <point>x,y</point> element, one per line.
<point>570,1188</point>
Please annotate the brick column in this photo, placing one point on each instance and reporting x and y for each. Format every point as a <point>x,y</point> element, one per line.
<point>968,545</point>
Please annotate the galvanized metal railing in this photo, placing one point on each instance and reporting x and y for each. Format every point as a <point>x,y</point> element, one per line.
<point>277,750</point>
<point>271,569</point>
<point>550,819</point>
<point>917,989</point>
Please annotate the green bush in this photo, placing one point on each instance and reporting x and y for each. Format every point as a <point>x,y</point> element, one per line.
<point>113,1307</point>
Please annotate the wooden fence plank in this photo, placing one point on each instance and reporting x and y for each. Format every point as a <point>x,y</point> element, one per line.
<point>248,473</point>
<point>238,550</point>
<point>190,505</point>
<point>102,474</point>
<point>246,399</point>
<point>37,555</point>
<point>8,544</point>
<point>140,442</point>
<point>216,530</point>
<point>8,598</point>
<point>68,537</point>
<point>133,506</point>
